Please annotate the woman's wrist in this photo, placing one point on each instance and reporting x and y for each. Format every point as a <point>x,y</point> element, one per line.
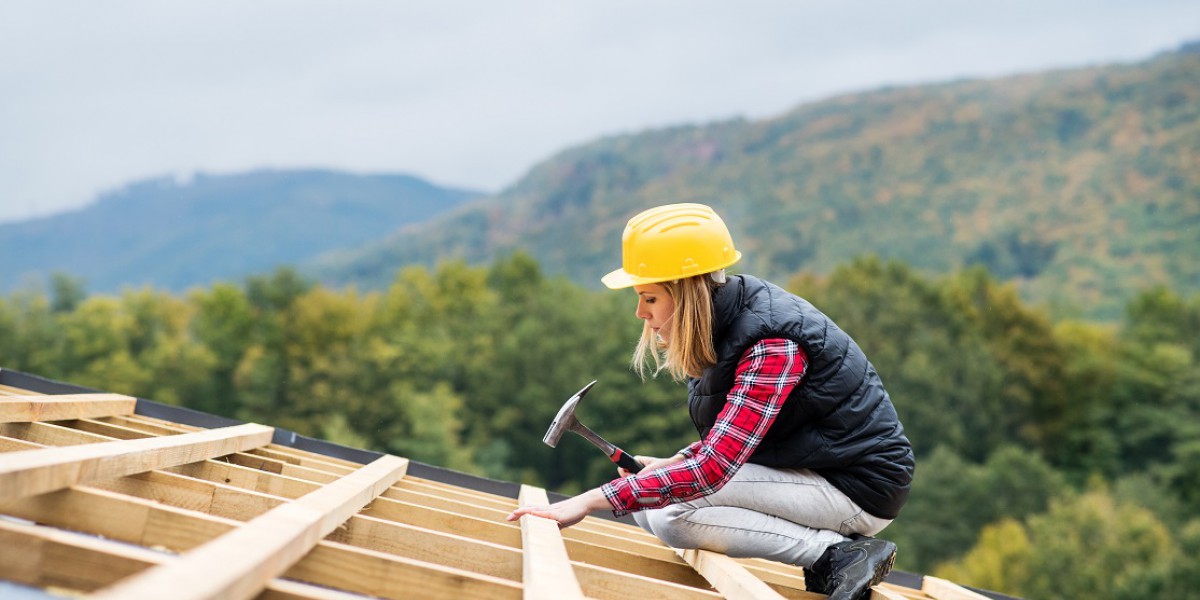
<point>596,499</point>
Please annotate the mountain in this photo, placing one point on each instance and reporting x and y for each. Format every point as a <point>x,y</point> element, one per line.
<point>175,234</point>
<point>1081,186</point>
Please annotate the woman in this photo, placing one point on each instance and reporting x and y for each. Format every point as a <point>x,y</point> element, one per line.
<point>801,454</point>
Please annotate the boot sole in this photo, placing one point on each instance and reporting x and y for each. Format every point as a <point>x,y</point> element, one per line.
<point>881,571</point>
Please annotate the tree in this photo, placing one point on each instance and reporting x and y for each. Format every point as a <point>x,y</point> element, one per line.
<point>1085,546</point>
<point>1012,483</point>
<point>66,292</point>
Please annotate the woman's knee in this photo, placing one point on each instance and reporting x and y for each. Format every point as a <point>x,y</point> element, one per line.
<point>670,525</point>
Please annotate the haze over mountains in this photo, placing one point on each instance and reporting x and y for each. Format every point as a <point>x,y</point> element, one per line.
<point>1082,186</point>
<point>175,234</point>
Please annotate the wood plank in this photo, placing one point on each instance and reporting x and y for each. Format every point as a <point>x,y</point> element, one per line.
<point>278,467</point>
<point>182,428</point>
<point>547,571</point>
<point>193,494</point>
<point>456,494</point>
<point>647,577</point>
<point>240,563</point>
<point>28,472</point>
<point>44,557</point>
<point>310,462</point>
<point>26,408</point>
<point>777,578</point>
<point>637,544</point>
<point>132,422</point>
<point>884,592</point>
<point>230,491</point>
<point>119,517</point>
<point>50,434</point>
<point>8,390</point>
<point>503,502</point>
<point>189,494</point>
<point>116,432</point>
<point>219,471</point>
<point>145,523</point>
<point>215,494</point>
<point>454,551</point>
<point>448,504</point>
<point>8,444</point>
<point>308,454</point>
<point>399,577</point>
<point>904,593</point>
<point>730,578</point>
<point>504,505</point>
<point>499,531</point>
<point>941,589</point>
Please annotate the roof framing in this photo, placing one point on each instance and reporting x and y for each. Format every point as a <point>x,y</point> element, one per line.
<point>121,498</point>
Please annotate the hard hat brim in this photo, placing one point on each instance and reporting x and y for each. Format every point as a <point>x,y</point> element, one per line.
<point>621,279</point>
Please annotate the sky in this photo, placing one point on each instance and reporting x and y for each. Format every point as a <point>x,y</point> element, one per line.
<point>95,95</point>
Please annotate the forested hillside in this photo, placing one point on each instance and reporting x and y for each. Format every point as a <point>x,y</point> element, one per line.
<point>1054,459</point>
<point>175,234</point>
<point>1080,186</point>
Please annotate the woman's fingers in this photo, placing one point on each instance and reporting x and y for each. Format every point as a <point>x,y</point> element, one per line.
<point>644,460</point>
<point>527,510</point>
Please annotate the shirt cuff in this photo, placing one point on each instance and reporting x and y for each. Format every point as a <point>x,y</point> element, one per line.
<point>627,497</point>
<point>615,498</point>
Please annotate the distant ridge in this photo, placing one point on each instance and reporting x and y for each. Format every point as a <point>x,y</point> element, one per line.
<point>1080,185</point>
<point>174,234</point>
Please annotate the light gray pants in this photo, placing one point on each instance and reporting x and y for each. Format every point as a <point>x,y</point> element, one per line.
<point>786,515</point>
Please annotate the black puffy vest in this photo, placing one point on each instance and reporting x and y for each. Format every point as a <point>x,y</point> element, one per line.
<point>839,421</point>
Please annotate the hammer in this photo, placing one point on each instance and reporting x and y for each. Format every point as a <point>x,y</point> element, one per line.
<point>565,421</point>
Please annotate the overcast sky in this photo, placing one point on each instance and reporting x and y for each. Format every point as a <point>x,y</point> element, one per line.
<point>94,95</point>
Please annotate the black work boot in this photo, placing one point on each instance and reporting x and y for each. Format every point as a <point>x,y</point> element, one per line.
<point>847,570</point>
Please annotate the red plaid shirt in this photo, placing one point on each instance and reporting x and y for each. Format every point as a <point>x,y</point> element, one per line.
<point>765,376</point>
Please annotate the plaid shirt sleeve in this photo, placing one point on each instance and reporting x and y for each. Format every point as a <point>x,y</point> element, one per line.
<point>765,376</point>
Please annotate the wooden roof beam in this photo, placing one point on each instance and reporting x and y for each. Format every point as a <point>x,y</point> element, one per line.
<point>28,472</point>
<point>941,589</point>
<point>45,557</point>
<point>338,561</point>
<point>240,563</point>
<point>729,577</point>
<point>14,409</point>
<point>547,569</point>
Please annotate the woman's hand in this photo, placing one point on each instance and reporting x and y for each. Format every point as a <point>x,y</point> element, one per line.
<point>569,511</point>
<point>649,463</point>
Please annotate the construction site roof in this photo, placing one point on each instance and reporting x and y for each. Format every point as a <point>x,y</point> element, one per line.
<point>109,496</point>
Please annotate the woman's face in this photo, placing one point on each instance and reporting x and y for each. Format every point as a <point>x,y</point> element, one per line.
<point>655,307</point>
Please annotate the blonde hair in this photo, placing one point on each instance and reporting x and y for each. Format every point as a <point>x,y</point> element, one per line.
<point>691,348</point>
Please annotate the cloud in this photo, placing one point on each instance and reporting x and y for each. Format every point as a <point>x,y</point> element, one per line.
<point>472,93</point>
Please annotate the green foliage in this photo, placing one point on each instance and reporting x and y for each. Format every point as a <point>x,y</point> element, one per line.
<point>1015,417</point>
<point>952,500</point>
<point>967,365</point>
<point>1085,546</point>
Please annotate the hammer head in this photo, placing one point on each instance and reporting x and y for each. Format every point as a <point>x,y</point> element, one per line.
<point>565,420</point>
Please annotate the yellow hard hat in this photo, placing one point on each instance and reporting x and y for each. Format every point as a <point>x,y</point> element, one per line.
<point>671,242</point>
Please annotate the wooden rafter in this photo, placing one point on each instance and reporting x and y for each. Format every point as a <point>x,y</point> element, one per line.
<point>28,472</point>
<point>729,577</point>
<point>41,556</point>
<point>941,589</point>
<point>547,570</point>
<point>239,522</point>
<point>241,562</point>
<point>14,409</point>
